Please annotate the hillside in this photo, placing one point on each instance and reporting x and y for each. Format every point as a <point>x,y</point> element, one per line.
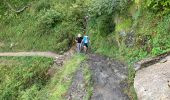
<point>124,30</point>
<point>125,27</point>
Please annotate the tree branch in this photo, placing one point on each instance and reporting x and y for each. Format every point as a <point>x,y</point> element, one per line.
<point>16,11</point>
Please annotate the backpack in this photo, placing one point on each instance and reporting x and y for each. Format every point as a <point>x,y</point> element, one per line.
<point>86,39</point>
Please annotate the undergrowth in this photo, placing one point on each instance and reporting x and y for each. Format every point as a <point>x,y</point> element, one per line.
<point>88,81</point>
<point>26,78</point>
<point>22,77</point>
<point>41,27</point>
<point>58,86</point>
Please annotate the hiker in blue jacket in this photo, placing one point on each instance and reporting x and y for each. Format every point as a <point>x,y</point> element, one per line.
<point>85,42</point>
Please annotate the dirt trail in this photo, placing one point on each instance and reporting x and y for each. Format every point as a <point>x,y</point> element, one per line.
<point>78,89</point>
<point>58,59</point>
<point>43,54</point>
<point>107,79</point>
<point>107,76</point>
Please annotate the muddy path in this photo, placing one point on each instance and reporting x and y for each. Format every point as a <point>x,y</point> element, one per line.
<point>107,76</point>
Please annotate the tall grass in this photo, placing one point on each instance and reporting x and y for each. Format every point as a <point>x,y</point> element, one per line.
<point>22,76</point>
<point>60,83</point>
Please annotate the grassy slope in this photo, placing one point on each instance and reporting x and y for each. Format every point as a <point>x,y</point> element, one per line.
<point>59,84</point>
<point>40,27</point>
<point>25,78</point>
<point>32,30</point>
<point>19,75</point>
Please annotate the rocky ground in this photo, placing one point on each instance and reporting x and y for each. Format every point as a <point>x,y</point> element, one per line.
<point>107,79</point>
<point>153,82</point>
<point>78,88</point>
<point>107,75</point>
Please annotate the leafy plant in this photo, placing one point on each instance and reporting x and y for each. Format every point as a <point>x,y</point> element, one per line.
<point>22,76</point>
<point>42,5</point>
<point>162,6</point>
<point>106,25</point>
<point>58,86</point>
<point>48,21</point>
<point>102,7</point>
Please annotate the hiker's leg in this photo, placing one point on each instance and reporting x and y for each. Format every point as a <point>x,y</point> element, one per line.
<point>77,49</point>
<point>85,49</point>
<point>80,47</point>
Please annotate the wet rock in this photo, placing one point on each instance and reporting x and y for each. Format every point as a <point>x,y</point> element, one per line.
<point>107,76</point>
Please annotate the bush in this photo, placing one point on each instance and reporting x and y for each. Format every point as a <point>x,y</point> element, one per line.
<point>42,5</point>
<point>22,76</point>
<point>156,6</point>
<point>29,94</point>
<point>106,25</point>
<point>102,7</point>
<point>48,21</point>
<point>161,41</point>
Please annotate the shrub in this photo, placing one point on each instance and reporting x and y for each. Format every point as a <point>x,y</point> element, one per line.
<point>161,41</point>
<point>22,76</point>
<point>42,5</point>
<point>158,6</point>
<point>106,25</point>
<point>102,7</point>
<point>48,21</point>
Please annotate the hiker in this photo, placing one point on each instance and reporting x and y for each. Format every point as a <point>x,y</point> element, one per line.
<point>79,41</point>
<point>85,42</point>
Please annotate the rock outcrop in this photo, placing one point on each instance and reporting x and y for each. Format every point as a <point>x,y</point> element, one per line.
<point>153,82</point>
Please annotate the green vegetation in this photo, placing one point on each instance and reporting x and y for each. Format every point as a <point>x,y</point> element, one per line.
<point>123,26</point>
<point>41,26</point>
<point>140,31</point>
<point>58,86</point>
<point>22,77</point>
<point>88,82</point>
<point>128,30</point>
<point>26,78</point>
<point>130,91</point>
